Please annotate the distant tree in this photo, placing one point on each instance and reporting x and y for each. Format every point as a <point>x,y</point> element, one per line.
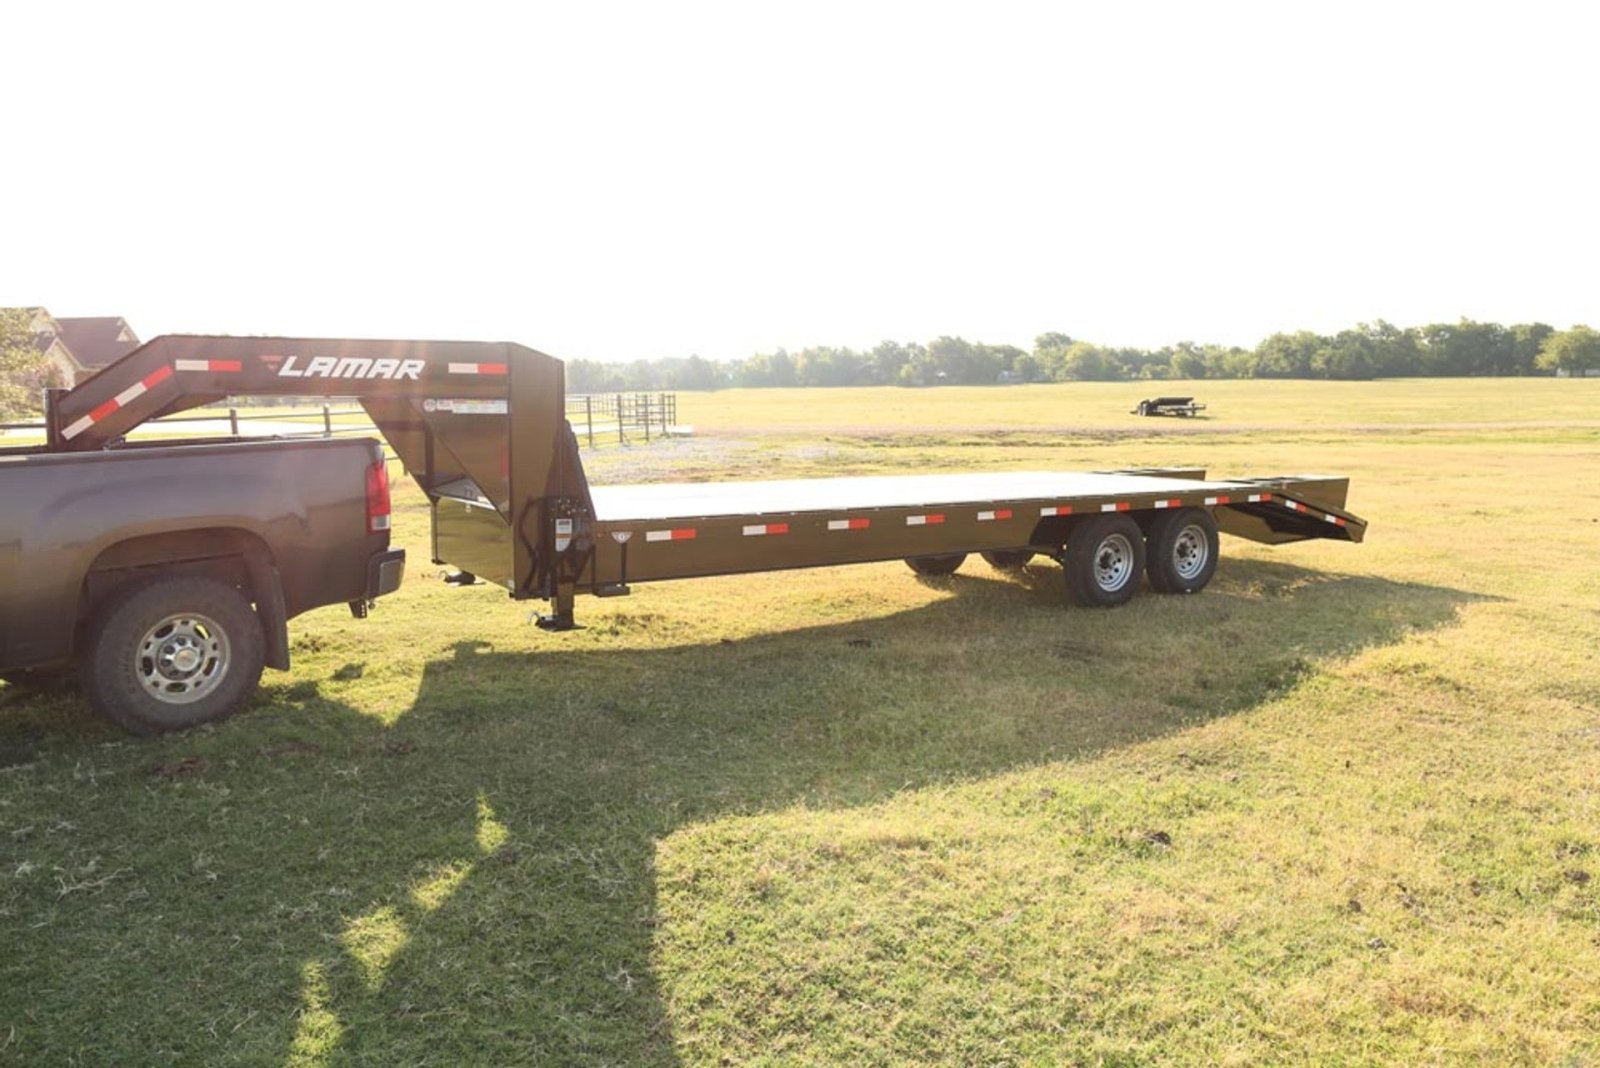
<point>591,376</point>
<point>1466,348</point>
<point>694,372</point>
<point>1574,351</point>
<point>1526,341</point>
<point>23,368</point>
<point>886,361</point>
<point>957,361</point>
<point>1027,369</point>
<point>1188,360</point>
<point>1083,362</point>
<point>766,369</point>
<point>1287,355</point>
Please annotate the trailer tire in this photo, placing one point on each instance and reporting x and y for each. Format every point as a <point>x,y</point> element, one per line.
<point>1181,550</point>
<point>1007,559</point>
<point>172,653</point>
<point>1103,560</point>
<point>936,565</point>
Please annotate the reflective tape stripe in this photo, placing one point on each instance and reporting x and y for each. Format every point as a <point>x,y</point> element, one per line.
<point>932,519</point>
<point>1056,509</point>
<point>1120,506</point>
<point>120,401</point>
<point>681,534</point>
<point>209,365</point>
<point>1219,500</point>
<point>761,529</point>
<point>849,524</point>
<point>1173,503</point>
<point>477,368</point>
<point>72,430</point>
<point>1254,497</point>
<point>998,513</point>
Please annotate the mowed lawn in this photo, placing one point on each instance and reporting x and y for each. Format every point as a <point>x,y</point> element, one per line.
<point>1344,806</point>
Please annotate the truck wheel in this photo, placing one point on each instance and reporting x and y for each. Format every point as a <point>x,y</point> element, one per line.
<point>1008,559</point>
<point>1103,560</point>
<point>936,565</point>
<point>1182,551</point>
<point>172,653</point>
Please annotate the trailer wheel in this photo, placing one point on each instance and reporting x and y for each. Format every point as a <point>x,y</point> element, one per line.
<point>172,653</point>
<point>1103,560</point>
<point>1182,551</point>
<point>1008,559</point>
<point>936,565</point>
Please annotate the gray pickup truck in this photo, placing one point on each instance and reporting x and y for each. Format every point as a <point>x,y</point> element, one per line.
<point>166,573</point>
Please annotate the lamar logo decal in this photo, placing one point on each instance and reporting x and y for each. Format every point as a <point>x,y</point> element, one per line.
<point>346,367</point>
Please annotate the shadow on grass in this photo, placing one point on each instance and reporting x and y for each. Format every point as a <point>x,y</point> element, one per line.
<point>474,884</point>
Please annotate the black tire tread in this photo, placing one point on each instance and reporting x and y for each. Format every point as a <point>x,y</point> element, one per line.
<point>1158,553</point>
<point>945,564</point>
<point>108,683</point>
<point>1077,561</point>
<point>1007,559</point>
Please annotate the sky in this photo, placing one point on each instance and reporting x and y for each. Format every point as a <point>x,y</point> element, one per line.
<point>620,181</point>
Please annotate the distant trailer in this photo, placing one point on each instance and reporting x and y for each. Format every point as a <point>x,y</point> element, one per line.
<point>482,429</point>
<point>1179,406</point>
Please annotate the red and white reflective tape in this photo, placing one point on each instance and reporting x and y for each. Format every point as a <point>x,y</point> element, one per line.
<point>1254,497</point>
<point>1219,500</point>
<point>759,529</point>
<point>1335,520</point>
<point>849,524</point>
<point>229,366</point>
<point>680,534</point>
<point>929,520</point>
<point>477,368</point>
<point>1173,503</point>
<point>1119,506</point>
<point>1294,506</point>
<point>121,400</point>
<point>1056,509</point>
<point>990,517</point>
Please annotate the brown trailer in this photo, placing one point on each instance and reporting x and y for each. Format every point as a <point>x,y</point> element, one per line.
<point>482,429</point>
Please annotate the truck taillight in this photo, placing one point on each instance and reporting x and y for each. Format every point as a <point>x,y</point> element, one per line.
<point>378,497</point>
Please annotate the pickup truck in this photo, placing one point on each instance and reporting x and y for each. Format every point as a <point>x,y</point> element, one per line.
<point>166,573</point>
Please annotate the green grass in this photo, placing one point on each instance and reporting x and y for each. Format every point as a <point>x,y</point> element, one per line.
<point>1342,807</point>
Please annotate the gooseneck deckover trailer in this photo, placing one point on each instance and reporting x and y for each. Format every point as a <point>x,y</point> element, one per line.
<point>481,427</point>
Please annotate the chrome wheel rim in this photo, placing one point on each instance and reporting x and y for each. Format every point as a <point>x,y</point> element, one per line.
<point>182,659</point>
<point>1113,562</point>
<point>1190,551</point>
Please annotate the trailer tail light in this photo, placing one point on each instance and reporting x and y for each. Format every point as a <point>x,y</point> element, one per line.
<point>378,506</point>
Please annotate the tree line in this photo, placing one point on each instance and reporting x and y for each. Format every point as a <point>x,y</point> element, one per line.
<point>1368,350</point>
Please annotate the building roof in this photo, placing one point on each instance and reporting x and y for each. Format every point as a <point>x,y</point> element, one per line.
<point>95,342</point>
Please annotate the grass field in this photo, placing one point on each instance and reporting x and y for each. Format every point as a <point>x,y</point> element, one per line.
<point>1342,807</point>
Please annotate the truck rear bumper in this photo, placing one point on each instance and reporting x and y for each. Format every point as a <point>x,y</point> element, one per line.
<point>384,572</point>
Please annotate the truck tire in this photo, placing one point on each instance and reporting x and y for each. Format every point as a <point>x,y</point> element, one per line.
<point>1007,559</point>
<point>1103,560</point>
<point>936,565</point>
<point>1181,550</point>
<point>171,653</point>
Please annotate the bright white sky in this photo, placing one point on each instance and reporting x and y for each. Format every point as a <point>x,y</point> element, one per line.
<point>611,181</point>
